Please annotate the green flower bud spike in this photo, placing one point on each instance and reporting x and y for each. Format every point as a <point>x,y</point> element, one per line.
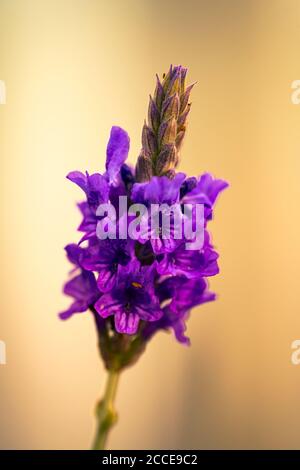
<point>162,136</point>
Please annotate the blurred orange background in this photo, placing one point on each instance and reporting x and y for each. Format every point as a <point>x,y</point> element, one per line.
<point>74,68</point>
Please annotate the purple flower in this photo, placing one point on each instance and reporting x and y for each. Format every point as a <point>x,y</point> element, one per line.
<point>127,175</point>
<point>74,254</point>
<point>104,257</point>
<point>99,188</point>
<point>159,190</point>
<point>205,191</point>
<point>184,293</point>
<point>180,294</point>
<point>116,153</point>
<point>189,263</point>
<point>192,292</point>
<point>82,288</point>
<point>132,298</point>
<point>95,187</point>
<point>139,287</point>
<point>89,221</point>
<point>164,192</point>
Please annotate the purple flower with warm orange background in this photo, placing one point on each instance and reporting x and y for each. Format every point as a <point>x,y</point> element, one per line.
<point>136,288</point>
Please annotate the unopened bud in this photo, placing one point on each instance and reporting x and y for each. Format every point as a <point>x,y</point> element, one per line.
<point>179,139</point>
<point>167,132</point>
<point>183,75</point>
<point>153,115</point>
<point>167,159</point>
<point>159,93</point>
<point>149,142</point>
<point>167,78</point>
<point>184,98</point>
<point>175,82</point>
<point>170,107</point>
<point>182,118</point>
<point>167,115</point>
<point>143,170</point>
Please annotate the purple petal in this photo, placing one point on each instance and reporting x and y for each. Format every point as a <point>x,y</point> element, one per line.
<point>107,305</point>
<point>95,187</point>
<point>116,152</point>
<point>97,190</point>
<point>106,279</point>
<point>76,307</point>
<point>206,191</point>
<point>179,328</point>
<point>84,290</point>
<point>158,190</point>
<point>126,323</point>
<point>74,253</point>
<point>138,192</point>
<point>189,263</point>
<point>148,312</point>
<point>78,178</point>
<point>82,287</point>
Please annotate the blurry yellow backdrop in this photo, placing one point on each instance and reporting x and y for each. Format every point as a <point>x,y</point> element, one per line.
<point>72,69</point>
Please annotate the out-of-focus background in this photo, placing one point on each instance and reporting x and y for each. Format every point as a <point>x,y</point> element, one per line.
<point>72,69</point>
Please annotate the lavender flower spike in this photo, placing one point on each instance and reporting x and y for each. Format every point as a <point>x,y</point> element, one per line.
<point>162,136</point>
<point>134,288</point>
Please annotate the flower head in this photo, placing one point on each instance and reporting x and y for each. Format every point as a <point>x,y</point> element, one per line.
<point>136,288</point>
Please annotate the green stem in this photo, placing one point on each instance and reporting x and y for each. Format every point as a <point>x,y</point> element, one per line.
<point>106,414</point>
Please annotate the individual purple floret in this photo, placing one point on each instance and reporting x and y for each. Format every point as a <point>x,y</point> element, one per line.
<point>104,257</point>
<point>133,298</point>
<point>82,287</point>
<point>183,294</point>
<point>161,190</point>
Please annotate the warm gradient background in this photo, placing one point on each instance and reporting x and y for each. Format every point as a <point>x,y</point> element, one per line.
<point>72,69</point>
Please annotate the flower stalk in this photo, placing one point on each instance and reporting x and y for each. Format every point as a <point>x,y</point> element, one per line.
<point>118,352</point>
<point>105,411</point>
